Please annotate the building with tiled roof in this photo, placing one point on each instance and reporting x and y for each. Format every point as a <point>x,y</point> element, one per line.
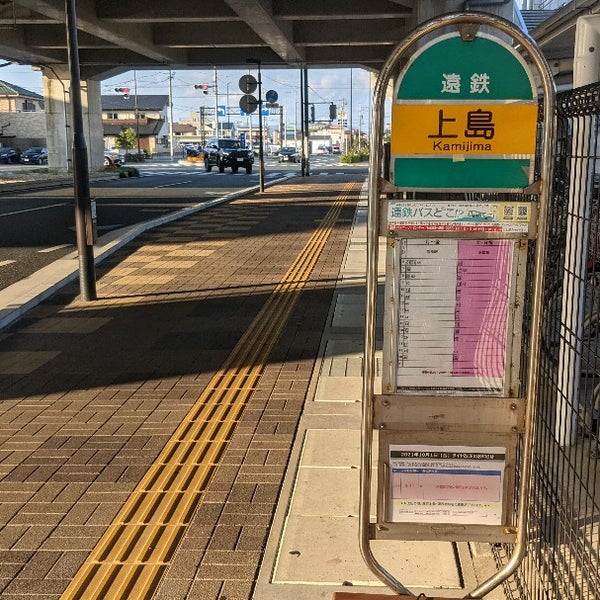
<point>146,114</point>
<point>14,98</point>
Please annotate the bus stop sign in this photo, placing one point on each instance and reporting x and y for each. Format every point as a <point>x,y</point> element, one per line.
<point>464,118</point>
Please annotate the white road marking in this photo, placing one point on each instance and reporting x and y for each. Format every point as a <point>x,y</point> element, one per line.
<point>26,210</point>
<point>54,248</point>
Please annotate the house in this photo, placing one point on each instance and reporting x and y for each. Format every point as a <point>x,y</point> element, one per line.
<point>182,130</point>
<point>146,114</point>
<point>14,98</point>
<point>22,117</point>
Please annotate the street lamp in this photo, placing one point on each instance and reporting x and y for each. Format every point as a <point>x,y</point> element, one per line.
<point>261,161</point>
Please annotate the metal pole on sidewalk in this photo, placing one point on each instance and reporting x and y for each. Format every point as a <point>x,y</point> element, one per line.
<point>261,155</point>
<point>81,176</point>
<point>171,149</point>
<point>304,121</point>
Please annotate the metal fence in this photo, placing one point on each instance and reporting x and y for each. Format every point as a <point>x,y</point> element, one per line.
<point>563,555</point>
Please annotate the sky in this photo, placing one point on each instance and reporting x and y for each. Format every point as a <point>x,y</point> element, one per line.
<point>343,87</point>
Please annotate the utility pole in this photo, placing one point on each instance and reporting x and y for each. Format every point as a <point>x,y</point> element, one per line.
<point>351,108</point>
<point>171,149</point>
<point>305,131</point>
<point>81,176</point>
<point>202,125</point>
<point>215,86</point>
<point>137,114</point>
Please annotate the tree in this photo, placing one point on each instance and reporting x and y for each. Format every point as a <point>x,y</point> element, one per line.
<point>126,139</point>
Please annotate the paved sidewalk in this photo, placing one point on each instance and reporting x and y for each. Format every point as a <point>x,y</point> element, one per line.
<point>91,393</point>
<point>313,548</point>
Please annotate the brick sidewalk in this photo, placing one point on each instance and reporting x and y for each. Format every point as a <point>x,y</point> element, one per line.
<point>91,392</point>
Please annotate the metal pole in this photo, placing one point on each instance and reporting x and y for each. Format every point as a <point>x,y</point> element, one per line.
<point>215,85</point>
<point>227,107</point>
<point>306,140</point>
<point>351,108</point>
<point>81,176</point>
<point>137,114</point>
<point>261,155</point>
<point>171,113</point>
<point>302,129</point>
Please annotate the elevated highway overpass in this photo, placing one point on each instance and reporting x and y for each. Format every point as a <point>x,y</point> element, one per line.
<point>116,35</point>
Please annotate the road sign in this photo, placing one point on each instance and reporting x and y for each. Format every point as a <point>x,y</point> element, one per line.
<point>248,104</point>
<point>243,139</point>
<point>221,110</point>
<point>271,96</point>
<point>464,117</point>
<point>248,84</point>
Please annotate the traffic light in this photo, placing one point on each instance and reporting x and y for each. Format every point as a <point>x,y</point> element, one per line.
<point>203,87</point>
<point>332,112</point>
<point>312,113</point>
<point>124,91</point>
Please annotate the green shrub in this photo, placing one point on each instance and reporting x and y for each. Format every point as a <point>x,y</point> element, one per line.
<point>355,154</point>
<point>134,157</point>
<point>128,172</point>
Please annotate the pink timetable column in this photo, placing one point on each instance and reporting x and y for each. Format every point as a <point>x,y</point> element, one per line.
<point>482,291</point>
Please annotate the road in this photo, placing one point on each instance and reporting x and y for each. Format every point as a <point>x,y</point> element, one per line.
<point>37,227</point>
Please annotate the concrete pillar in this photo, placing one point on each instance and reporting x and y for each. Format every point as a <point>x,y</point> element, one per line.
<point>58,120</point>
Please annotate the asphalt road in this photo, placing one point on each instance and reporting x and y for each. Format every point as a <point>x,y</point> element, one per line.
<point>37,227</point>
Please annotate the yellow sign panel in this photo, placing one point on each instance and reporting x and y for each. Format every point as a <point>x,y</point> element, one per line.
<point>464,129</point>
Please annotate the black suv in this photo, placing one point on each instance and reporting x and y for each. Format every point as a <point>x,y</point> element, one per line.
<point>222,153</point>
<point>35,155</point>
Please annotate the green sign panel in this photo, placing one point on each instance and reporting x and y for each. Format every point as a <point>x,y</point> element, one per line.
<point>464,118</point>
<point>480,68</point>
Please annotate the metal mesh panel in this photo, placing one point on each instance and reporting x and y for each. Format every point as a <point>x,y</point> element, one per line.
<point>562,561</point>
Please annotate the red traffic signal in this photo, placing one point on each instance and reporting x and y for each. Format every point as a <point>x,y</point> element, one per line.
<point>124,91</point>
<point>203,87</point>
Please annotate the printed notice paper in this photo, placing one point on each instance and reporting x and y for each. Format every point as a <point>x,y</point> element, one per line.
<point>453,307</point>
<point>446,484</point>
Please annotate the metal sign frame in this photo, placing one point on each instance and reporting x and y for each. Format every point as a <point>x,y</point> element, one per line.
<point>432,426</point>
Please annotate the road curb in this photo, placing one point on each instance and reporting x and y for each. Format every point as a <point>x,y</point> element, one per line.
<point>22,296</point>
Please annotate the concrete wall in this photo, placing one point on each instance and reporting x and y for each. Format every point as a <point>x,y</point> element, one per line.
<point>21,130</point>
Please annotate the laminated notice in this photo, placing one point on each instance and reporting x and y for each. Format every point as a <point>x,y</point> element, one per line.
<point>446,484</point>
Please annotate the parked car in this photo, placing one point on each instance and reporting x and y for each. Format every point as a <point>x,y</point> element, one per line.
<point>226,152</point>
<point>191,150</point>
<point>113,157</point>
<point>289,154</point>
<point>9,155</point>
<point>36,155</point>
